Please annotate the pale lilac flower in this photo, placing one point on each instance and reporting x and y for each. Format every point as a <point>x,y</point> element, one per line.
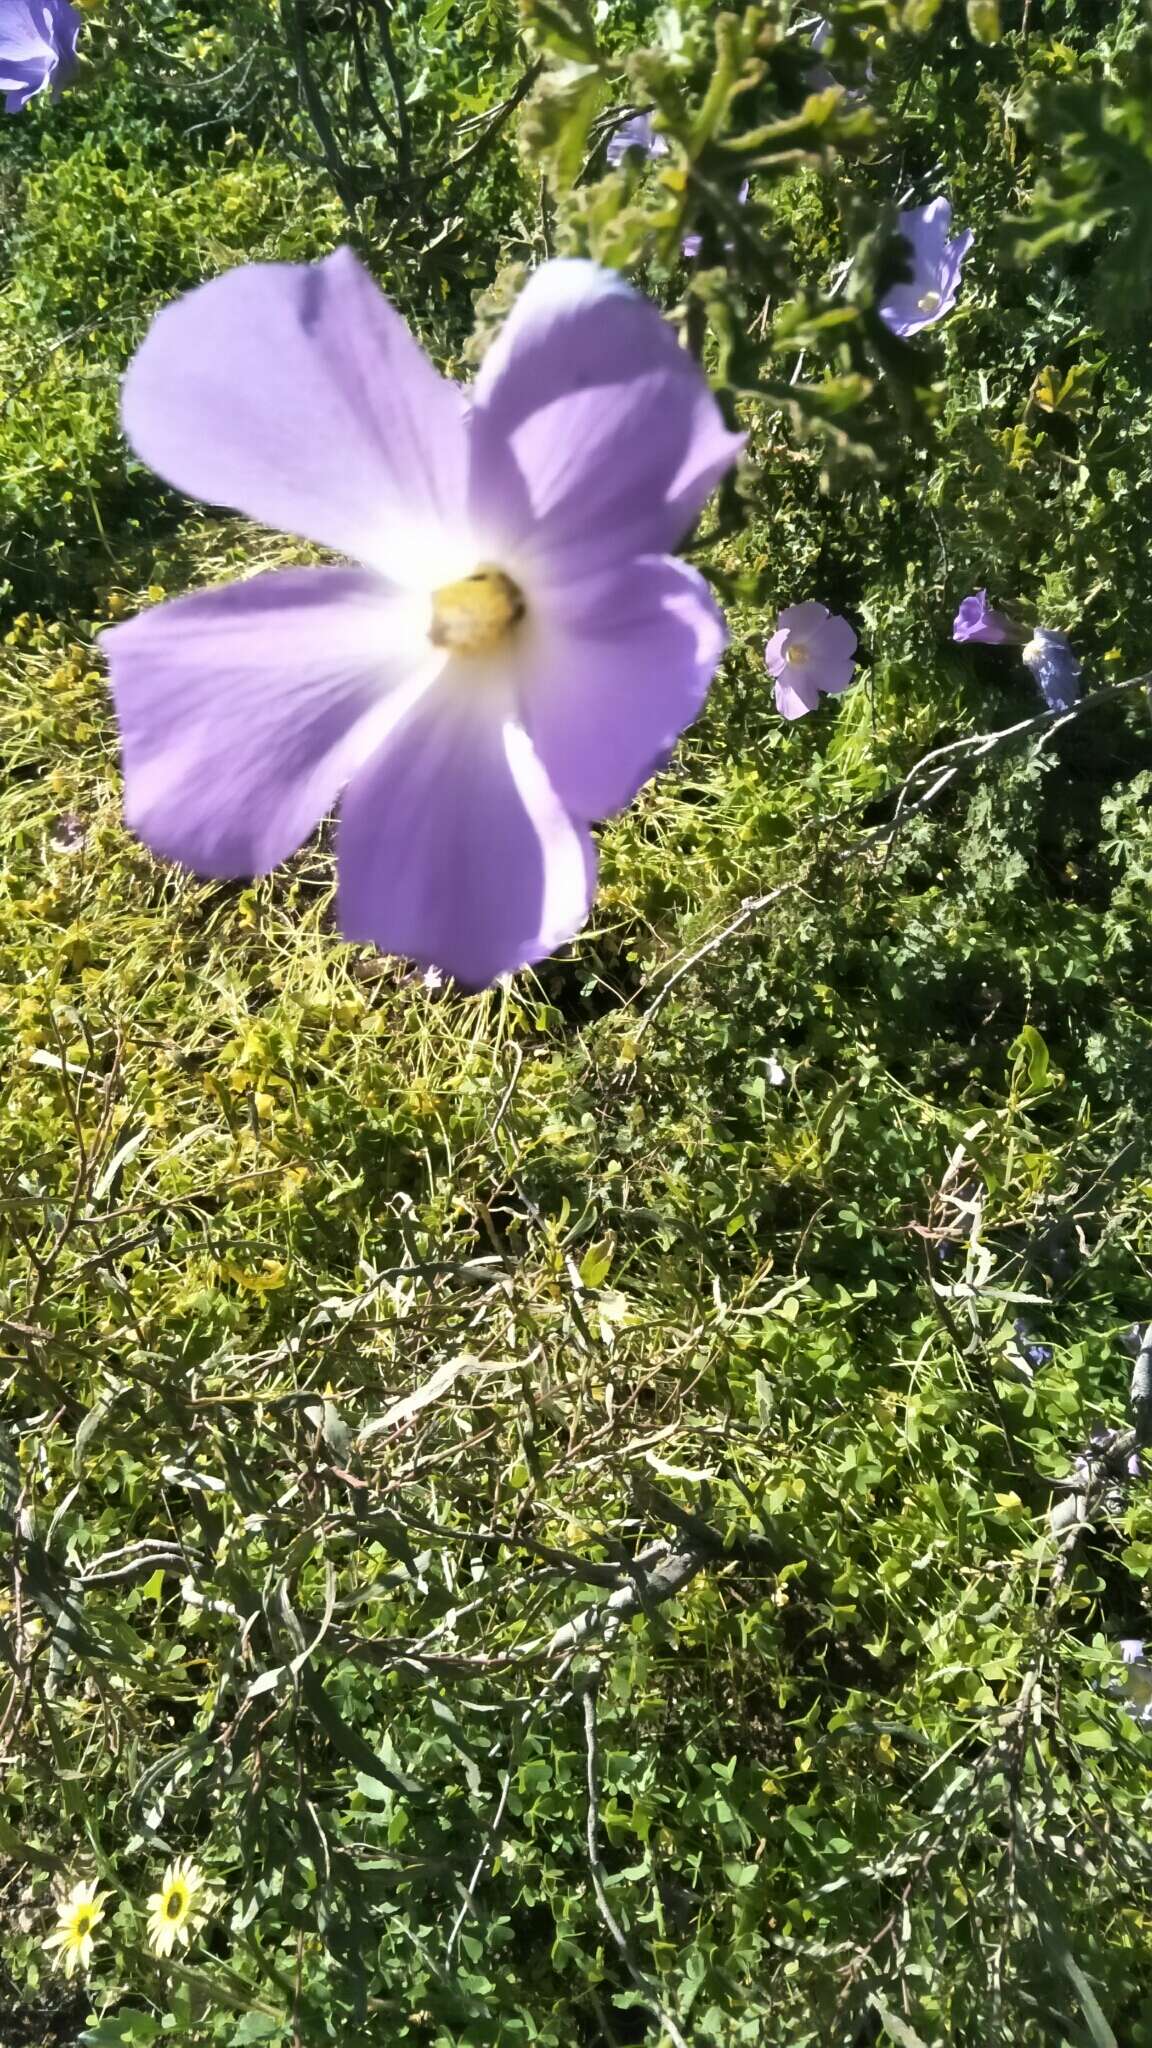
<point>978,620</point>
<point>37,48</point>
<point>1055,667</point>
<point>514,653</point>
<point>636,133</point>
<point>811,650</point>
<point>936,265</point>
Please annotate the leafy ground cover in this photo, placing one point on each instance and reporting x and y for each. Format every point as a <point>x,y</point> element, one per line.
<point>586,1509</point>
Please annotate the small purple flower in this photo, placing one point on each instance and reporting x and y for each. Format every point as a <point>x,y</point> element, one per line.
<point>513,646</point>
<point>1131,1648</point>
<point>635,133</point>
<point>691,245</point>
<point>1055,667</point>
<point>811,650</point>
<point>978,620</point>
<point>936,265</point>
<point>37,48</point>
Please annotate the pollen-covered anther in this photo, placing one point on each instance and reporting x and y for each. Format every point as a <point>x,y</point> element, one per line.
<point>477,614</point>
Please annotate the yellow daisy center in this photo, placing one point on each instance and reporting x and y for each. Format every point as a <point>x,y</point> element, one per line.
<point>475,615</point>
<point>797,654</point>
<point>176,1902</point>
<point>82,1924</point>
<point>928,302</point>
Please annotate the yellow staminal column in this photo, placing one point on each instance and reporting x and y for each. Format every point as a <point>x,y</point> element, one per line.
<point>477,614</point>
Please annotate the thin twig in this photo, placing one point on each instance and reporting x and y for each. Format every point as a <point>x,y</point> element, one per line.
<point>383,12</point>
<point>293,21</point>
<point>374,107</point>
<point>467,1904</point>
<point>639,1977</point>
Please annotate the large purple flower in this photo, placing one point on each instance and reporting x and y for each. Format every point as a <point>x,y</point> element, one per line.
<point>517,649</point>
<point>978,620</point>
<point>811,650</point>
<point>936,265</point>
<point>37,48</point>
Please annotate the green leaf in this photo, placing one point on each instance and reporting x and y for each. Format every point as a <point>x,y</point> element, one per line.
<point>896,2028</point>
<point>984,20</point>
<point>596,1264</point>
<point>255,2026</point>
<point>1031,1056</point>
<point>114,2030</point>
<point>1098,2027</point>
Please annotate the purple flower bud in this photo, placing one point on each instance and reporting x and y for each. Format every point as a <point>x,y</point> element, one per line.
<point>1055,667</point>
<point>936,265</point>
<point>978,620</point>
<point>37,48</point>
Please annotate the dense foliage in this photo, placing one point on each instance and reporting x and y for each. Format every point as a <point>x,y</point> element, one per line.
<point>564,1502</point>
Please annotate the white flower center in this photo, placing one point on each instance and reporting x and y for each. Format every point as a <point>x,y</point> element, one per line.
<point>478,613</point>
<point>928,302</point>
<point>798,654</point>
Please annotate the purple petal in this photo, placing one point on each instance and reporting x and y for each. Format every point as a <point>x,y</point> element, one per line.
<point>37,47</point>
<point>636,133</point>
<point>294,393</point>
<point>244,710</point>
<point>595,435</point>
<point>629,668</point>
<point>455,850</point>
<point>796,693</point>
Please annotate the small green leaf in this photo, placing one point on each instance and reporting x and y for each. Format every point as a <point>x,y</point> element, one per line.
<point>596,1264</point>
